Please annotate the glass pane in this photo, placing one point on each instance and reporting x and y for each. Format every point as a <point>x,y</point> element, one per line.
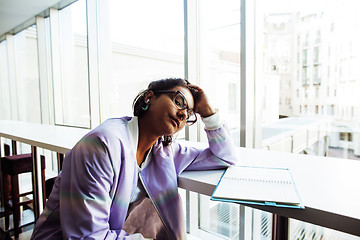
<point>27,75</point>
<point>147,43</point>
<point>300,230</point>
<point>219,47</point>
<point>5,108</point>
<point>224,219</point>
<point>310,50</point>
<point>72,97</point>
<point>219,71</point>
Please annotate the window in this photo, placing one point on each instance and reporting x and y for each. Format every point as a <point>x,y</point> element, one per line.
<point>305,57</point>
<point>318,37</point>
<point>141,47</point>
<point>5,103</point>
<point>70,66</point>
<point>346,136</point>
<point>218,39</point>
<point>317,92</point>
<point>307,39</point>
<point>26,76</point>
<point>316,54</point>
<point>305,76</point>
<point>327,26</point>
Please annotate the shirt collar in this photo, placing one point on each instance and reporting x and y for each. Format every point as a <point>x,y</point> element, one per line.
<point>133,126</point>
<point>134,132</point>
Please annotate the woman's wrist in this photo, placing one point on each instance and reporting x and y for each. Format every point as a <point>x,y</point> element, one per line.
<point>212,122</point>
<point>207,112</point>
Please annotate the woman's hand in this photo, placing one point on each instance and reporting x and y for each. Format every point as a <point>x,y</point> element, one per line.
<point>202,106</point>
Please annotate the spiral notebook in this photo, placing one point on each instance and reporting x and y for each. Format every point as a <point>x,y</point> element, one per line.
<point>259,186</point>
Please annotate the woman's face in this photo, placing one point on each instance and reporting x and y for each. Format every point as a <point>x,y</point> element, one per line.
<point>166,118</point>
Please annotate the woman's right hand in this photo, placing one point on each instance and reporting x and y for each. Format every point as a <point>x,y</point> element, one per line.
<point>203,106</point>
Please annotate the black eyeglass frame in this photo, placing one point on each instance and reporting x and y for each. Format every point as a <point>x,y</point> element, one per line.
<point>189,111</point>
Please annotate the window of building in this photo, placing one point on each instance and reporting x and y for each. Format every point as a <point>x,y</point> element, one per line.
<point>346,136</point>
<point>318,37</point>
<point>316,53</point>
<point>305,57</point>
<point>305,76</point>
<point>317,90</point>
<point>317,74</point>
<point>307,39</point>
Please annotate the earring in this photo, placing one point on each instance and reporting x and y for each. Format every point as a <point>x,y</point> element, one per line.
<point>147,105</point>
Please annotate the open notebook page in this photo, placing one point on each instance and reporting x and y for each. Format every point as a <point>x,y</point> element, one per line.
<point>259,185</point>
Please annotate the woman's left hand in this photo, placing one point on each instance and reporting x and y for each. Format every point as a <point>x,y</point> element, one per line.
<point>202,106</point>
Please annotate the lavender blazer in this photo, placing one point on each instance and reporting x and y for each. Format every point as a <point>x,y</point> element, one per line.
<point>91,196</point>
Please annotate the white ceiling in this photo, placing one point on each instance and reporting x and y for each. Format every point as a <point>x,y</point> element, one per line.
<point>14,13</point>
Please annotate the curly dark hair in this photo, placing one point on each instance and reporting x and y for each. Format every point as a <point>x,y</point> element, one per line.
<point>162,84</point>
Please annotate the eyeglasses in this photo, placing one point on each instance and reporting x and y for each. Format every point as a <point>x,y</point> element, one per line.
<point>181,103</point>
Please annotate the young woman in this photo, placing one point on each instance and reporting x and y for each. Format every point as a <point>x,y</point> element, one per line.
<point>120,180</point>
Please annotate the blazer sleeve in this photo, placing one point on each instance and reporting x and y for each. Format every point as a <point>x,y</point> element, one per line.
<point>85,193</point>
<point>219,153</point>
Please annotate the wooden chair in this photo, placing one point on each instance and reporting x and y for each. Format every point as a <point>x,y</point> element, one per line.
<point>12,167</point>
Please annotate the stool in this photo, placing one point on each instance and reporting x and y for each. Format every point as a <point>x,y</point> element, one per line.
<point>6,153</point>
<point>6,150</point>
<point>11,167</point>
